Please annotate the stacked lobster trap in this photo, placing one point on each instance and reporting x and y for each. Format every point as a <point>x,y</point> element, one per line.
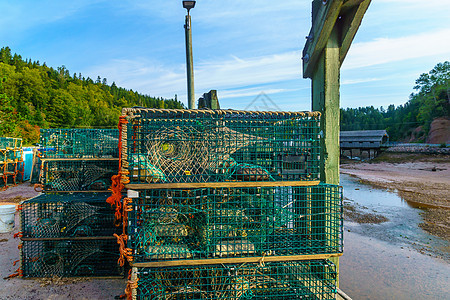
<point>68,235</point>
<point>68,230</point>
<point>226,204</point>
<point>77,159</point>
<point>11,161</point>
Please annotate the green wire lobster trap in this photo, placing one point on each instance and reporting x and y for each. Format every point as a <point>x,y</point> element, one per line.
<point>79,143</point>
<point>67,215</point>
<point>214,223</point>
<point>180,146</point>
<point>11,161</point>
<point>8,143</point>
<point>70,258</point>
<point>273,280</point>
<point>77,175</point>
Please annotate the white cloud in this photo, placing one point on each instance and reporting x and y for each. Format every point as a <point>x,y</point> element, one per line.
<point>153,78</point>
<point>359,80</point>
<point>28,14</point>
<point>388,50</point>
<point>236,93</point>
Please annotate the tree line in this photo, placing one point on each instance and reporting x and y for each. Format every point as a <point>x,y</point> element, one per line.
<point>430,100</point>
<point>34,96</point>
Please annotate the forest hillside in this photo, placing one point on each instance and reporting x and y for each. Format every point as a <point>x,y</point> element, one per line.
<point>33,96</point>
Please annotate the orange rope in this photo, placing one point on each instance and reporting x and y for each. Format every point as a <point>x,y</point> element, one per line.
<point>18,272</point>
<point>125,253</point>
<point>36,186</point>
<point>130,286</point>
<point>19,234</point>
<point>117,186</point>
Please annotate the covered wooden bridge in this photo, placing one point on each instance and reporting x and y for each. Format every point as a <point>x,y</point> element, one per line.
<point>371,141</point>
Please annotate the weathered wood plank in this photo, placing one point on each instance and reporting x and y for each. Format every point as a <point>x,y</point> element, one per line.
<point>233,260</point>
<point>80,159</point>
<point>325,98</point>
<point>324,21</point>
<point>231,184</point>
<point>76,238</point>
<point>351,20</point>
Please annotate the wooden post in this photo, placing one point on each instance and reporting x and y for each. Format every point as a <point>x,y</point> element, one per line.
<point>334,25</point>
<point>325,98</point>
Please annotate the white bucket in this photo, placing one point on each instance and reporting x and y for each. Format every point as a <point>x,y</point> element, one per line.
<point>7,218</point>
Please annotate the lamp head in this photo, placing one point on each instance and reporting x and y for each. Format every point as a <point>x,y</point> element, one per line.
<point>188,5</point>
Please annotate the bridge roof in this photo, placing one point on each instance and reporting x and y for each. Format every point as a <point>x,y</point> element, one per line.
<point>363,135</point>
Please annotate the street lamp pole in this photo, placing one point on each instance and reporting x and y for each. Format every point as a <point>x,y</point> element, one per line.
<point>189,61</point>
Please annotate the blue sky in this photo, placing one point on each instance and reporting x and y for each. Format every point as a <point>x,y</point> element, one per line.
<point>241,48</point>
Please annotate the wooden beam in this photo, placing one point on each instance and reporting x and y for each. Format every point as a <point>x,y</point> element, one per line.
<point>348,4</point>
<point>80,159</point>
<point>351,19</point>
<point>226,184</point>
<point>233,260</point>
<point>324,20</point>
<point>325,98</point>
<point>74,238</point>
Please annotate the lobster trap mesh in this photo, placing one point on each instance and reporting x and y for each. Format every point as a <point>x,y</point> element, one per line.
<point>70,258</point>
<point>274,280</point>
<point>11,161</point>
<point>67,215</point>
<point>77,175</point>
<point>9,143</point>
<point>238,222</point>
<point>166,146</point>
<point>79,143</point>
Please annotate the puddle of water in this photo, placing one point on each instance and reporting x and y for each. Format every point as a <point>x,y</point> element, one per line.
<point>381,261</point>
<point>402,227</point>
<point>366,195</point>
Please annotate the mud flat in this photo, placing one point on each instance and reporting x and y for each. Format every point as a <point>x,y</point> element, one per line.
<point>421,180</point>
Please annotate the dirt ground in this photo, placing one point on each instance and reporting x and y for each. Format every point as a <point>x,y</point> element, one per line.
<point>44,289</point>
<point>422,180</point>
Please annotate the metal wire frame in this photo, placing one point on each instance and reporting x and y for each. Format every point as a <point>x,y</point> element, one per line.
<point>11,161</point>
<point>79,143</point>
<point>9,143</point>
<point>70,258</point>
<point>167,146</point>
<point>274,280</point>
<point>67,215</point>
<point>11,173</point>
<point>77,175</point>
<point>240,222</point>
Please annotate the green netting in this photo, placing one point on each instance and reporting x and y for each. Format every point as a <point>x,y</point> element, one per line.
<point>67,215</point>
<point>11,173</point>
<point>70,258</point>
<point>77,175</point>
<point>8,143</point>
<point>11,161</point>
<point>223,222</point>
<point>274,280</point>
<point>162,146</point>
<point>79,143</point>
